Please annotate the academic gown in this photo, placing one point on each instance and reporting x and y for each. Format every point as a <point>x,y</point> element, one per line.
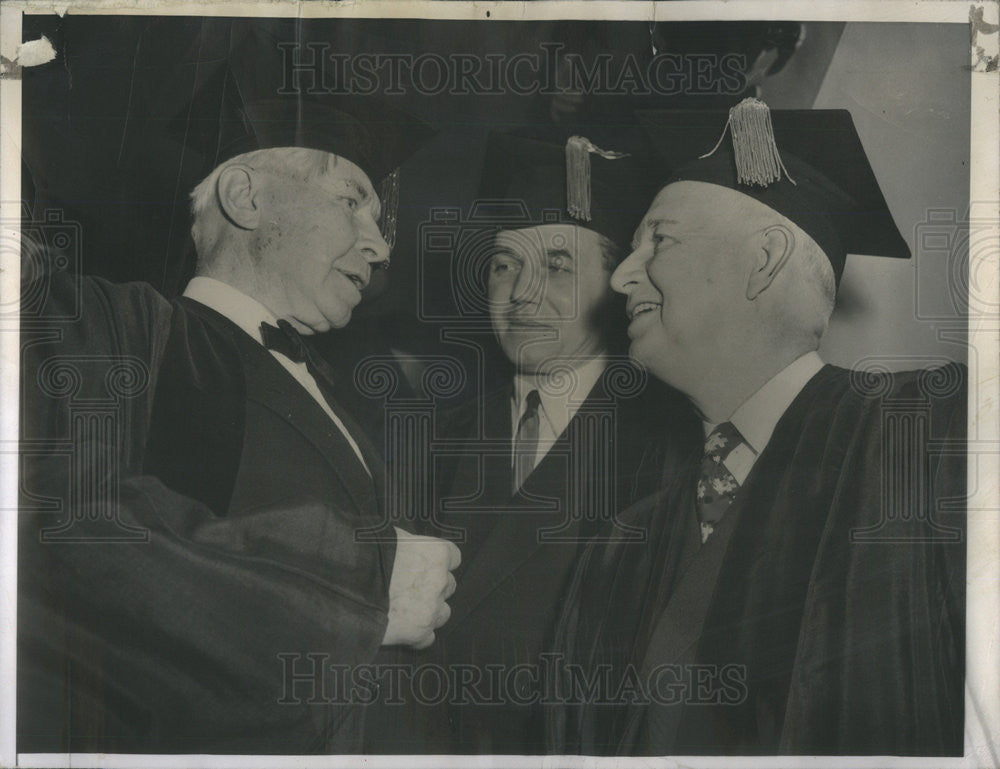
<point>825,614</point>
<point>511,579</point>
<point>245,499</point>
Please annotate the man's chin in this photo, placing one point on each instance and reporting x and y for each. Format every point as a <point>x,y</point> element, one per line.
<point>340,322</point>
<point>337,317</point>
<point>642,355</point>
<point>659,365</point>
<point>529,358</point>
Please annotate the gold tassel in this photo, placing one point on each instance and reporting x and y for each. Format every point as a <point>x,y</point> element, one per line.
<point>388,193</point>
<point>578,149</point>
<point>754,149</point>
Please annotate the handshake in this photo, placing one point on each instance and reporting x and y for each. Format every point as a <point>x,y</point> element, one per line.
<point>421,584</point>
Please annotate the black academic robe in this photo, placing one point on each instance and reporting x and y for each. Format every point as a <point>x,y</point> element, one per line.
<point>519,549</point>
<point>825,614</point>
<point>179,618</point>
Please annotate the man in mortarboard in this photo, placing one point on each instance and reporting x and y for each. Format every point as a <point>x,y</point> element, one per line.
<point>564,442</point>
<point>206,577</point>
<point>802,588</point>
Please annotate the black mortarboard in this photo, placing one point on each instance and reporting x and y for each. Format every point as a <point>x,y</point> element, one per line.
<point>368,132</point>
<point>808,165</point>
<point>601,184</point>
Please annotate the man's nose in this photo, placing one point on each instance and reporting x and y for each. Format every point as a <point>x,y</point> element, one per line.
<point>626,275</point>
<point>529,284</point>
<point>370,242</point>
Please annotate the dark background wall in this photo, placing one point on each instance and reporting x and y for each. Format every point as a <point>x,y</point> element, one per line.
<point>116,131</point>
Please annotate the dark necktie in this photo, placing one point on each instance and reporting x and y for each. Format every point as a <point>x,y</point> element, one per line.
<point>526,441</point>
<point>290,343</point>
<point>716,485</point>
<point>286,340</point>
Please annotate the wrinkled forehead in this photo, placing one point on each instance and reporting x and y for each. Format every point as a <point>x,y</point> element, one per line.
<point>536,241</point>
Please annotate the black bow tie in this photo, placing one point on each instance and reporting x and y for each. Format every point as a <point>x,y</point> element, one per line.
<point>286,340</point>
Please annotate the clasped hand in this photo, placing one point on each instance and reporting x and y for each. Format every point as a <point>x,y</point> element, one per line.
<point>421,584</point>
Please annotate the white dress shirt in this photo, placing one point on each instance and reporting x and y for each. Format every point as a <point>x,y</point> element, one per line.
<point>757,417</point>
<point>247,313</point>
<point>556,407</point>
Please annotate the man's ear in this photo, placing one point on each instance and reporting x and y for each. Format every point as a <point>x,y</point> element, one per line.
<point>777,244</point>
<point>237,190</point>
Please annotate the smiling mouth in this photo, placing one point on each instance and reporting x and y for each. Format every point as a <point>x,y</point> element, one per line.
<point>527,324</point>
<point>642,308</point>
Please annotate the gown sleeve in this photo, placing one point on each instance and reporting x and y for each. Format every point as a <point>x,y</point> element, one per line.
<point>147,624</point>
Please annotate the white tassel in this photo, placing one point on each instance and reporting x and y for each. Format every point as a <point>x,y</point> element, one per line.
<point>578,149</point>
<point>754,149</point>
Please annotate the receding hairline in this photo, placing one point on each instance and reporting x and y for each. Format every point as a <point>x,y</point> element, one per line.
<point>318,163</point>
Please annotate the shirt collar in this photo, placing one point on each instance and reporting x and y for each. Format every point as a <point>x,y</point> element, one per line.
<point>245,311</point>
<point>757,417</point>
<point>559,406</point>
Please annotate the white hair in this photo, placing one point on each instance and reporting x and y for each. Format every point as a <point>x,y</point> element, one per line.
<point>298,162</point>
<point>811,302</point>
<point>806,302</point>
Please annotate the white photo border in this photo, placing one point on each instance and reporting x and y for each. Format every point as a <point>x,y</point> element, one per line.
<point>983,580</point>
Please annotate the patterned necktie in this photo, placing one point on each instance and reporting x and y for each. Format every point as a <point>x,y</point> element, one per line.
<point>716,485</point>
<point>526,441</point>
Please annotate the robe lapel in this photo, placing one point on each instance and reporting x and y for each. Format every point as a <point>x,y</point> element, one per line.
<point>691,544</point>
<point>516,535</point>
<point>374,458</point>
<point>676,633</point>
<point>512,541</point>
<point>497,426</point>
<point>482,479</point>
<point>271,386</point>
<point>490,475</point>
